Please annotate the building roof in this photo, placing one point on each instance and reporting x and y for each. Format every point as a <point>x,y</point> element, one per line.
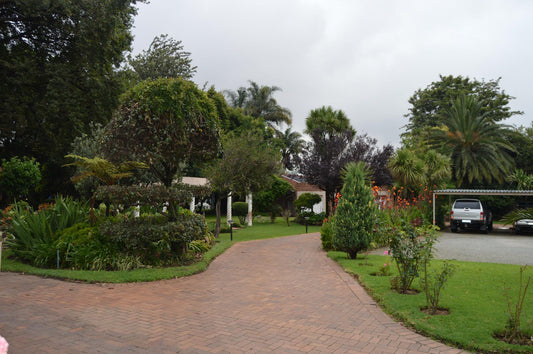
<point>301,186</point>
<point>511,192</point>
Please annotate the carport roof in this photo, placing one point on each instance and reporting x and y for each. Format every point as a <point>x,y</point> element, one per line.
<point>513,192</point>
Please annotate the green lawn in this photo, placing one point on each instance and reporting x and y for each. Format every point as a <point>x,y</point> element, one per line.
<point>256,232</point>
<point>474,296</point>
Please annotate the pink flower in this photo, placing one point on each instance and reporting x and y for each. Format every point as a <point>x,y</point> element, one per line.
<point>384,264</point>
<point>4,345</point>
<point>386,253</point>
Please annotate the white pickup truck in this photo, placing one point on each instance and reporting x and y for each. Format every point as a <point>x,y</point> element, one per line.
<point>470,214</point>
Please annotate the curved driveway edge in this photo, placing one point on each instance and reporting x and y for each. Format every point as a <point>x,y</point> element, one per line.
<point>276,295</point>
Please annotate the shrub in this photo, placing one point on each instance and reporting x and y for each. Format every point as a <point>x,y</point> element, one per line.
<point>433,282</point>
<point>35,232</point>
<point>513,330</point>
<point>240,209</point>
<point>307,201</point>
<point>326,234</point>
<point>411,246</point>
<point>18,177</point>
<point>154,240</point>
<point>355,217</point>
<point>314,219</point>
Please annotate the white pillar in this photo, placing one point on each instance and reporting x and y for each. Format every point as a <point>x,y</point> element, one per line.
<point>193,203</point>
<point>249,217</point>
<point>228,214</point>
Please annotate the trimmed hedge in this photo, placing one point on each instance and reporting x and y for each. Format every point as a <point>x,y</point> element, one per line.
<point>154,240</point>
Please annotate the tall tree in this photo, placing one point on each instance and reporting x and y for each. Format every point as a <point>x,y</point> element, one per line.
<point>333,144</point>
<point>57,74</point>
<point>328,121</point>
<point>478,146</point>
<point>165,123</point>
<point>429,106</point>
<point>247,165</point>
<point>164,58</point>
<point>258,102</point>
<point>291,145</point>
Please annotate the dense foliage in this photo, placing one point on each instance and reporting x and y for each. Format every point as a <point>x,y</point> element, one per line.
<point>429,105</point>
<point>355,217</point>
<point>164,123</point>
<point>57,74</point>
<point>248,164</point>
<point>18,177</point>
<point>307,201</point>
<point>333,145</point>
<point>164,58</point>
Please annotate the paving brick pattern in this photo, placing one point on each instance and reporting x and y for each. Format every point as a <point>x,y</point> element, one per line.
<point>279,295</point>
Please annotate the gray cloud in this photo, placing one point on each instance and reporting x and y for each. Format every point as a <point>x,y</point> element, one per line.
<point>364,57</point>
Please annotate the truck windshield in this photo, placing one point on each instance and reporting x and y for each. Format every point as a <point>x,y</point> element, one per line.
<point>467,204</point>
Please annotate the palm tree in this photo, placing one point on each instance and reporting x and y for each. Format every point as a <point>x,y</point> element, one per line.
<point>477,145</point>
<point>257,101</point>
<point>407,168</point>
<point>437,167</point>
<point>260,103</point>
<point>328,121</point>
<point>291,145</point>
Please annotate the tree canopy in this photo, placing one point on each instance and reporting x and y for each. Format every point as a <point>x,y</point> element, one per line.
<point>258,101</point>
<point>333,145</point>
<point>478,147</point>
<point>164,58</point>
<point>248,164</point>
<point>165,123</point>
<point>57,74</point>
<point>429,105</point>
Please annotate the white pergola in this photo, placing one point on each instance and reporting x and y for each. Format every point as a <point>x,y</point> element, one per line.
<point>478,192</point>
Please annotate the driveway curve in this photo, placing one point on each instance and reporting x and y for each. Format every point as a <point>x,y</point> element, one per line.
<point>277,295</point>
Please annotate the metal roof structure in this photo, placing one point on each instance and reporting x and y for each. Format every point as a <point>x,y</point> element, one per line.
<point>508,192</point>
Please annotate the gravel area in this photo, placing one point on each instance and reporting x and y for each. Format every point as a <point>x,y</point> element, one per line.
<point>499,246</point>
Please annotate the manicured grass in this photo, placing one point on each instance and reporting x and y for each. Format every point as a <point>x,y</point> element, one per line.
<point>474,296</point>
<point>264,229</point>
<point>256,232</point>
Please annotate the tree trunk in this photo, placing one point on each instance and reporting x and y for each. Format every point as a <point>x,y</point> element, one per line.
<point>217,224</point>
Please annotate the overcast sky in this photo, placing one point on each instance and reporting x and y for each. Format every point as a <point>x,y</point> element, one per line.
<point>365,58</point>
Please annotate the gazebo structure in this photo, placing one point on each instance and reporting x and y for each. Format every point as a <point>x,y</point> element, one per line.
<point>478,192</point>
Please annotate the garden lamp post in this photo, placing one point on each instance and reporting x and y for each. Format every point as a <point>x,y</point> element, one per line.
<point>306,219</point>
<point>230,222</point>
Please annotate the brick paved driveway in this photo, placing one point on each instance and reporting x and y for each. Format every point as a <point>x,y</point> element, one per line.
<point>278,295</point>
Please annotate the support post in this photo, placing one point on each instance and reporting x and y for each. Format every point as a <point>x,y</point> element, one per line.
<point>249,216</point>
<point>433,195</point>
<point>228,213</point>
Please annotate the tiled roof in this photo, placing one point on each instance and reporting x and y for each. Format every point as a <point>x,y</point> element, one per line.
<point>301,186</point>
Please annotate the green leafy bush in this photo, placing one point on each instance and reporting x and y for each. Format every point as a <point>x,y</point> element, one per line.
<point>326,234</point>
<point>314,219</point>
<point>411,246</point>
<point>34,233</point>
<point>240,209</point>
<point>307,201</point>
<point>154,240</point>
<point>18,177</point>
